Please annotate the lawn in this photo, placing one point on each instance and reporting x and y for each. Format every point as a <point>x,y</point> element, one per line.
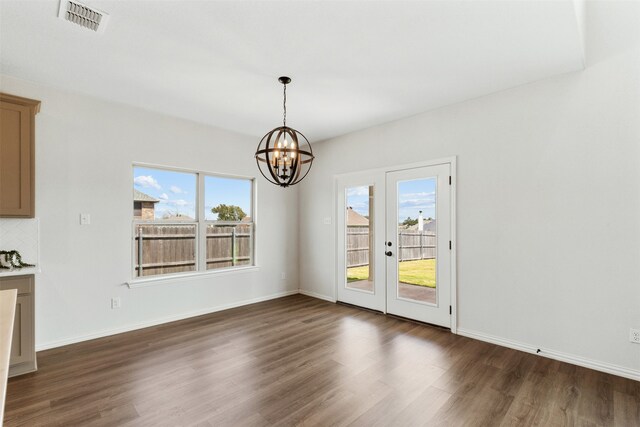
<point>421,273</point>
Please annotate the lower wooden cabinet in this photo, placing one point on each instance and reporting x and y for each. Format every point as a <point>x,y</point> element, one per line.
<point>23,345</point>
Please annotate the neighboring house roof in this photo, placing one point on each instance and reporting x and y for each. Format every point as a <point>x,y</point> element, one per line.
<point>355,219</point>
<point>139,196</point>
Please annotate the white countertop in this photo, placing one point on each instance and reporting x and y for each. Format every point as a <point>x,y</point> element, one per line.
<point>7,314</point>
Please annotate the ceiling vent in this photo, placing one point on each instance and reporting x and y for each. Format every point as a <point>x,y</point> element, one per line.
<point>83,15</point>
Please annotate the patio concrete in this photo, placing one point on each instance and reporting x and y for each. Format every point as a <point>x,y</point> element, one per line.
<point>405,290</point>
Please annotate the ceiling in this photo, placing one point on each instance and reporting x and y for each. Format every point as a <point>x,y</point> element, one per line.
<point>353,64</point>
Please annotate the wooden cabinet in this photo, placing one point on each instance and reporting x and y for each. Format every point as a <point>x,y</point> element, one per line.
<point>17,156</point>
<point>23,345</point>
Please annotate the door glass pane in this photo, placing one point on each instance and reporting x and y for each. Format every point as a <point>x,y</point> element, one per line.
<point>416,247</point>
<point>359,238</point>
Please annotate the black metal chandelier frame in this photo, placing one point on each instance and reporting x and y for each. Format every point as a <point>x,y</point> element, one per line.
<point>280,151</point>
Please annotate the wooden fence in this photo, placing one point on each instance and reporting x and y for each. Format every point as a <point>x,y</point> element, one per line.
<point>412,245</point>
<point>171,248</point>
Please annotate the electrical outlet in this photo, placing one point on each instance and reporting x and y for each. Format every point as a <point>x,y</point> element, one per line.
<point>115,302</point>
<point>85,219</point>
<point>634,335</point>
<point>283,276</point>
<point>327,220</point>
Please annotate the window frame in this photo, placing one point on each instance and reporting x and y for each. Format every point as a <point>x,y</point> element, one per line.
<point>201,224</point>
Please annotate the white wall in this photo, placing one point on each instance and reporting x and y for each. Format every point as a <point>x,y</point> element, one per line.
<point>548,194</point>
<point>84,153</point>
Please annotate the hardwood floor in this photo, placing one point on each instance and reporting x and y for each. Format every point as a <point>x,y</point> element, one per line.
<point>302,361</point>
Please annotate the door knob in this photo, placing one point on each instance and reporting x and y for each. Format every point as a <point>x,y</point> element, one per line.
<point>388,253</point>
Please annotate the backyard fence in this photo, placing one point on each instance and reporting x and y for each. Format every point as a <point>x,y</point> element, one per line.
<point>412,245</point>
<point>171,248</point>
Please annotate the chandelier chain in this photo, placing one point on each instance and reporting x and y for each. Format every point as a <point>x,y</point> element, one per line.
<point>284,106</point>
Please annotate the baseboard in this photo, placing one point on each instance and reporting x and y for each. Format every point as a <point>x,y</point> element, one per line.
<point>316,295</point>
<point>155,322</point>
<point>552,354</point>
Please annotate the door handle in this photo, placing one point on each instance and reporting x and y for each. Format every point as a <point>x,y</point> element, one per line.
<point>388,253</point>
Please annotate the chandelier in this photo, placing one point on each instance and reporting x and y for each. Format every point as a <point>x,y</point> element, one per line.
<point>284,155</point>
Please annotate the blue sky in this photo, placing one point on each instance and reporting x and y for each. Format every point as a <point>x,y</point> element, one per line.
<point>414,196</point>
<point>358,199</point>
<point>417,195</point>
<point>229,191</point>
<point>177,191</point>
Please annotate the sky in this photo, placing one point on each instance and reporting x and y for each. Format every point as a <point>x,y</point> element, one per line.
<point>414,196</point>
<point>177,192</point>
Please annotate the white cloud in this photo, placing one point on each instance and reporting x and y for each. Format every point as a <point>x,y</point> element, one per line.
<point>146,182</point>
<point>179,202</point>
<point>418,195</point>
<point>417,203</point>
<point>177,190</point>
<point>163,196</point>
<point>417,200</point>
<point>358,191</point>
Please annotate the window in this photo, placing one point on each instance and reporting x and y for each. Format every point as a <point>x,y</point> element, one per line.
<point>190,221</point>
<point>227,204</point>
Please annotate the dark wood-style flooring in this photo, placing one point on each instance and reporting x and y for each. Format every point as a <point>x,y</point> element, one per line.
<point>302,361</point>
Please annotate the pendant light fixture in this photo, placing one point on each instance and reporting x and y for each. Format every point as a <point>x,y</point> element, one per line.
<point>284,155</point>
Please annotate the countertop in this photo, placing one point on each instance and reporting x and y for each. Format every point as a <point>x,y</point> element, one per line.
<point>19,271</point>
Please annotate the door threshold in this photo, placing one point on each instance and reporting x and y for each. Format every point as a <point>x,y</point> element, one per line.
<point>406,319</point>
<point>359,307</point>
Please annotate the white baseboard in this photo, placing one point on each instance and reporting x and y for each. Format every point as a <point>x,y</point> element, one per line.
<point>316,295</point>
<point>155,322</point>
<point>552,354</point>
<point>516,345</point>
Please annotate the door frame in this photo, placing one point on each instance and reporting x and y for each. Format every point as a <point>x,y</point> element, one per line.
<point>454,244</point>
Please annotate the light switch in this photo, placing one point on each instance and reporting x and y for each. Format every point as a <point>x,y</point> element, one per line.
<point>85,219</point>
<point>327,220</point>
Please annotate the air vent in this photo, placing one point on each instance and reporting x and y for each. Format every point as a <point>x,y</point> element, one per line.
<point>83,15</point>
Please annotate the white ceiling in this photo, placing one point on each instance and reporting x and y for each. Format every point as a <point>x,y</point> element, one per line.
<point>353,64</point>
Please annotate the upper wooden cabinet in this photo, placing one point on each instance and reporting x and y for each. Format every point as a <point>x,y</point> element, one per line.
<point>17,156</point>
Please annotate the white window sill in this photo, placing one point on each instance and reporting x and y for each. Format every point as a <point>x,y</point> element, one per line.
<point>170,278</point>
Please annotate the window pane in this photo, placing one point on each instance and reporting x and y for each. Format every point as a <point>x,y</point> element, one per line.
<point>229,245</point>
<point>417,240</point>
<point>164,248</point>
<point>359,238</point>
<point>227,199</point>
<point>163,195</point>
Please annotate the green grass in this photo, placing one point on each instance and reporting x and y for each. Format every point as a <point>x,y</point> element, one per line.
<point>421,273</point>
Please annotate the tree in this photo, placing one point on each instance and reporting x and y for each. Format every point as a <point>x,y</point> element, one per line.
<point>409,222</point>
<point>229,212</point>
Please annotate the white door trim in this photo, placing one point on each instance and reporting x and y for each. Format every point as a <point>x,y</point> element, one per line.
<point>454,244</point>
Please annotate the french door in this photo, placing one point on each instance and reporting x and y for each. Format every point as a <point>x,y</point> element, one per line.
<point>418,252</point>
<point>394,242</point>
<point>361,268</point>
